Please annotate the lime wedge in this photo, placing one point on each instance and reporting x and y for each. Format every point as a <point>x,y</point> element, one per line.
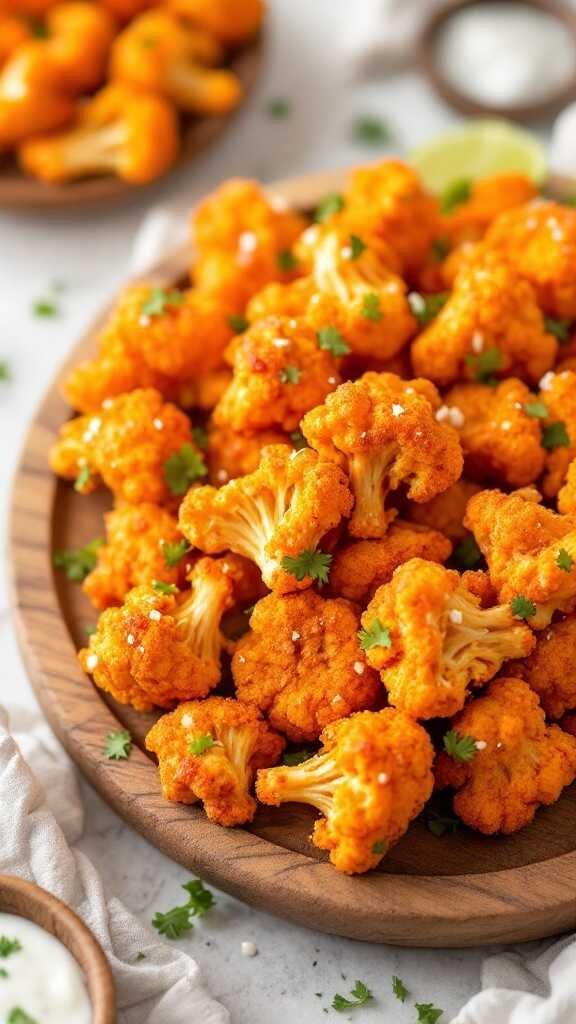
<point>478,149</point>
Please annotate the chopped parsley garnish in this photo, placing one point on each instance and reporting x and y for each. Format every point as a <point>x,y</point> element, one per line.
<point>183,468</point>
<point>286,260</point>
<point>78,562</point>
<point>118,745</point>
<point>467,553</point>
<point>4,370</point>
<point>356,247</point>
<point>289,375</point>
<point>295,757</point>
<point>371,306</point>
<point>330,339</point>
<point>327,207</point>
<point>18,1016</point>
<point>427,1013</point>
<point>440,249</point>
<point>555,435</point>
<point>426,307</point>
<point>8,947</point>
<point>178,920</point>
<point>359,995</point>
<point>371,131</point>
<point>461,748</point>
<point>399,988</point>
<point>484,365</point>
<point>564,560</point>
<point>82,479</point>
<point>537,409</point>
<point>440,825</point>
<point>4,973</point>
<point>309,563</point>
<point>161,299</point>
<point>379,846</point>
<point>45,308</point>
<point>238,323</point>
<point>522,608</point>
<point>455,194</point>
<point>200,437</point>
<point>559,328</point>
<point>200,744</point>
<point>164,588</point>
<point>298,440</point>
<point>173,551</point>
<point>376,636</point>
<point>279,107</point>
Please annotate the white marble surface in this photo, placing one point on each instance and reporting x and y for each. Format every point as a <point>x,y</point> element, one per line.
<point>89,252</point>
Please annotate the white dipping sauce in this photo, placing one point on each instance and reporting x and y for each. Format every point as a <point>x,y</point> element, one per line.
<point>44,980</point>
<point>506,53</point>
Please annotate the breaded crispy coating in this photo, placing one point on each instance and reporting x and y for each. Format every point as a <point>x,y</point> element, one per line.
<point>232,22</point>
<point>159,648</point>
<point>567,493</point>
<point>549,669</point>
<point>383,429</point>
<point>301,665</point>
<point>210,750</point>
<point>361,566</point>
<point>558,393</point>
<point>126,447</point>
<point>230,454</point>
<point>430,640</point>
<point>281,510</point>
<point>371,778</point>
<point>520,762</point>
<point>445,513</point>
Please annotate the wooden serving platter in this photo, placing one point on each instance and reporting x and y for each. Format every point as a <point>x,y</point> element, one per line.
<point>458,890</point>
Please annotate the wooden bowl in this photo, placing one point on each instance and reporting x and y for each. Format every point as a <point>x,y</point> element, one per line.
<point>17,190</point>
<point>460,890</point>
<point>428,60</point>
<point>30,901</point>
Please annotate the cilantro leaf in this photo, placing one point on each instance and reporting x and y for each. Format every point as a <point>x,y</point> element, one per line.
<point>399,988</point>
<point>289,375</point>
<point>164,588</point>
<point>564,560</point>
<point>177,921</point>
<point>439,249</point>
<point>201,899</point>
<point>173,551</point>
<point>82,479</point>
<point>484,364</point>
<point>555,435</point>
<point>4,370</point>
<point>238,323</point>
<point>298,440</point>
<point>161,299</point>
<point>296,757</point>
<point>461,748</point>
<point>455,194</point>
<point>183,468</point>
<point>4,973</point>
<point>522,608</point>
<point>360,995</point>
<point>45,308</point>
<point>200,744</point>
<point>467,553</point>
<point>439,824</point>
<point>200,437</point>
<point>559,328</point>
<point>279,107</point>
<point>76,563</point>
<point>286,260</point>
<point>371,131</point>
<point>356,247</point>
<point>311,563</point>
<point>330,339</point>
<point>327,207</point>
<point>118,745</point>
<point>371,306</point>
<point>8,947</point>
<point>380,846</point>
<point>18,1016</point>
<point>427,1013</point>
<point>376,636</point>
<point>426,308</point>
<point>537,409</point>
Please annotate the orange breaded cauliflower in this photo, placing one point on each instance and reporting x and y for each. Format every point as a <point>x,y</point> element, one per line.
<point>530,551</point>
<point>519,764</point>
<point>499,431</point>
<point>280,511</point>
<point>549,669</point>
<point>558,393</point>
<point>230,454</point>
<point>127,447</point>
<point>231,21</point>
<point>361,566</point>
<point>490,326</point>
<point>14,30</point>
<point>210,750</point>
<point>159,648</point>
<point>567,493</point>
<point>540,239</point>
<point>32,98</point>
<point>372,777</point>
<point>446,511</point>
<point>79,37</point>
<point>430,640</point>
<point>384,431</point>
<point>300,663</point>
<point>280,372</point>
<point>488,198</point>
<point>142,542</point>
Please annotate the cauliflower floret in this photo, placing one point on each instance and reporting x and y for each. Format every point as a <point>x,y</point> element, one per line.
<point>128,446</point>
<point>279,512</point>
<point>446,511</point>
<point>558,394</point>
<point>567,493</point>
<point>232,22</point>
<point>210,750</point>
<point>530,551</point>
<point>280,372</point>
<point>500,431</point>
<point>490,326</point>
<point>549,670</point>
<point>430,639</point>
<point>384,431</point>
<point>520,762</point>
<point>300,663</point>
<point>372,777</point>
<point>160,647</point>
<point>361,566</point>
<point>540,239</point>
<point>230,454</point>
<point>489,197</point>
<point>289,299</point>
<point>142,544</point>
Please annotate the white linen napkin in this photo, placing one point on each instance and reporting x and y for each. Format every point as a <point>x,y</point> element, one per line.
<point>39,825</point>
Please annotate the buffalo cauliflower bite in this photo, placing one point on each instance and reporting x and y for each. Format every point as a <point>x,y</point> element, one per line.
<point>280,511</point>
<point>361,566</point>
<point>519,763</point>
<point>567,493</point>
<point>540,239</point>
<point>371,778</point>
<point>280,372</point>
<point>530,551</point>
<point>230,21</point>
<point>558,393</point>
<point>32,97</point>
<point>230,454</point>
<point>428,636</point>
<point>549,669</point>
<point>210,750</point>
<point>140,540</point>
<point>446,511</point>
<point>160,647</point>
<point>384,431</point>
<point>126,446</point>
<point>500,438</point>
<point>300,663</point>
<point>490,326</point>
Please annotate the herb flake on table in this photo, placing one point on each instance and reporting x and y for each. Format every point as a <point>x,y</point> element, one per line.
<point>399,988</point>
<point>359,996</point>
<point>460,747</point>
<point>8,947</point>
<point>309,563</point>
<point>118,745</point>
<point>279,107</point>
<point>376,635</point>
<point>45,308</point>
<point>176,922</point>
<point>4,370</point>
<point>371,131</point>
<point>19,1016</point>
<point>183,468</point>
<point>76,563</point>
<point>427,1013</point>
